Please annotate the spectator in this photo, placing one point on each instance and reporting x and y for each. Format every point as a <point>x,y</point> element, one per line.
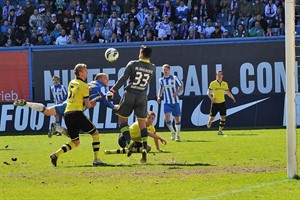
<point>67,25</point>
<point>71,40</point>
<point>113,20</point>
<point>47,17</point>
<point>168,10</point>
<point>46,37</point>
<point>218,33</point>
<point>76,24</point>
<point>279,17</point>
<point>40,24</point>
<point>245,10</point>
<point>72,16</point>
<point>107,32</point>
<point>89,12</point>
<point>78,8</point>
<point>183,29</point>
<point>115,8</point>
<point>56,32</point>
<point>21,19</point>
<point>97,27</point>
<point>6,9</point>
<point>182,11</point>
<point>127,5</point>
<point>127,37</point>
<point>257,30</point>
<point>140,5</point>
<point>262,22</point>
<point>140,35</point>
<point>98,38</point>
<point>39,41</point>
<point>269,32</point>
<point>203,11</point>
<point>132,15</point>
<point>163,29</point>
<point>132,29</point>
<point>74,36</point>
<point>83,35</point>
<point>28,9</point>
<point>233,11</point>
<point>27,43</point>
<point>21,34</point>
<point>257,9</point>
<point>174,35</point>
<point>12,18</point>
<point>281,30</point>
<point>9,43</point>
<point>9,36</point>
<point>60,4</point>
<point>119,29</point>
<point>208,29</point>
<point>142,16</point>
<point>225,4</point>
<point>34,18</point>
<point>52,24</point>
<point>104,9</point>
<point>270,10</point>
<point>195,25</point>
<point>149,36</point>
<point>62,39</point>
<point>60,16</point>
<point>219,23</point>
<point>33,37</point>
<point>192,35</point>
<point>240,32</point>
<point>5,27</point>
<point>114,38</point>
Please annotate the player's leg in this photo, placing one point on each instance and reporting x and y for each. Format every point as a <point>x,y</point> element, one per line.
<point>222,110</point>
<point>124,111</point>
<point>213,112</point>
<point>35,106</point>
<point>58,122</point>
<point>72,121</point>
<point>177,113</point>
<point>116,151</point>
<point>57,110</point>
<point>88,127</point>
<point>141,113</point>
<point>54,129</point>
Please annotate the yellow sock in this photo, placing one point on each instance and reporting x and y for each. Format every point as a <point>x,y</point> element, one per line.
<point>96,146</point>
<point>221,125</point>
<point>65,148</point>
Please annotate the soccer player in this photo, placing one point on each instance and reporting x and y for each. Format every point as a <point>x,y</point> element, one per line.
<point>216,92</point>
<point>59,93</point>
<point>139,73</point>
<point>98,89</point>
<point>170,87</point>
<point>135,135</point>
<point>78,95</point>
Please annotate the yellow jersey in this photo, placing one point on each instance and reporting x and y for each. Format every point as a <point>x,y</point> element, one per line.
<point>219,89</point>
<point>77,91</point>
<point>135,133</point>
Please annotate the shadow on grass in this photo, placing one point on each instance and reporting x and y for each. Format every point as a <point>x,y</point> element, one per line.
<point>244,134</point>
<point>195,141</point>
<point>7,149</point>
<point>186,164</point>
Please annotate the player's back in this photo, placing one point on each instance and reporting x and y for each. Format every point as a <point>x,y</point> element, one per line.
<point>141,73</point>
<point>77,91</point>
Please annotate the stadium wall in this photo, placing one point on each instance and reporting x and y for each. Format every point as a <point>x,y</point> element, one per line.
<point>253,68</point>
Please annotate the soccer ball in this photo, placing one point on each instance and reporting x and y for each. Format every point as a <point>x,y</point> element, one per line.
<point>111,54</point>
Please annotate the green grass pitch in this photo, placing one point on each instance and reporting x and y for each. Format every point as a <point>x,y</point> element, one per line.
<point>247,164</point>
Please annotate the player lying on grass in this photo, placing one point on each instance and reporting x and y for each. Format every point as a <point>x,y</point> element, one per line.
<point>98,89</point>
<point>135,136</point>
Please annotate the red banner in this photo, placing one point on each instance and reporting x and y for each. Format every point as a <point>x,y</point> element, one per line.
<point>14,76</point>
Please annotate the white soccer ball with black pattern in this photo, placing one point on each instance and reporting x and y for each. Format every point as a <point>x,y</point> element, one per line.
<point>111,54</point>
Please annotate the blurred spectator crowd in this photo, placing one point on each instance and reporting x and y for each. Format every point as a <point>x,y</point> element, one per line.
<point>63,22</point>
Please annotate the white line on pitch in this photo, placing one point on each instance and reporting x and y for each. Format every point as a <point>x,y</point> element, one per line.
<point>241,190</point>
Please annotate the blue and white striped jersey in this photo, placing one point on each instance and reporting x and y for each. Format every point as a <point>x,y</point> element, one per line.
<point>98,93</point>
<point>59,93</point>
<point>169,86</point>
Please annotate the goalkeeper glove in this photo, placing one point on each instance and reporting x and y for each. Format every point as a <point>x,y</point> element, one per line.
<point>109,96</point>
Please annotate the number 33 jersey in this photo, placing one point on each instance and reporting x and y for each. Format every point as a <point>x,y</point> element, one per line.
<point>139,73</point>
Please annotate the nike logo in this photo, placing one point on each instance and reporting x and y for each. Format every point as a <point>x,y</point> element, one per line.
<point>201,119</point>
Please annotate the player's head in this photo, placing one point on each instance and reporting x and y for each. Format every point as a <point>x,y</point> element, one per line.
<point>102,77</point>
<point>55,80</point>
<point>219,75</point>
<point>166,70</point>
<point>145,52</point>
<point>80,71</point>
<point>150,118</point>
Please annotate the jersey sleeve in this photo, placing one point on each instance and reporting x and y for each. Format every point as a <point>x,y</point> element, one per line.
<point>177,81</point>
<point>211,86</point>
<point>152,129</point>
<point>226,86</point>
<point>122,80</point>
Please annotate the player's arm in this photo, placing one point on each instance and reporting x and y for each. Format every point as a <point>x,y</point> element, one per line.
<point>179,84</point>
<point>122,80</point>
<point>156,138</point>
<point>209,94</point>
<point>159,94</point>
<point>86,102</point>
<point>230,95</point>
<point>65,92</point>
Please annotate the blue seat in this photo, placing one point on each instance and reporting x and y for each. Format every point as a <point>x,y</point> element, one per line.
<point>223,17</point>
<point>230,27</point>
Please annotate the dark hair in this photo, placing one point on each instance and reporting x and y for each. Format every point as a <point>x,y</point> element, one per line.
<point>219,71</point>
<point>78,68</point>
<point>146,50</point>
<point>55,77</point>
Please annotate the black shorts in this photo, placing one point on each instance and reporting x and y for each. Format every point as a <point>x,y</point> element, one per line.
<point>133,102</point>
<point>76,121</point>
<point>218,107</point>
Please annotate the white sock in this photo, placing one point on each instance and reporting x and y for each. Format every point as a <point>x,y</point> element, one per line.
<point>62,130</point>
<point>177,127</point>
<point>170,127</point>
<point>35,106</point>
